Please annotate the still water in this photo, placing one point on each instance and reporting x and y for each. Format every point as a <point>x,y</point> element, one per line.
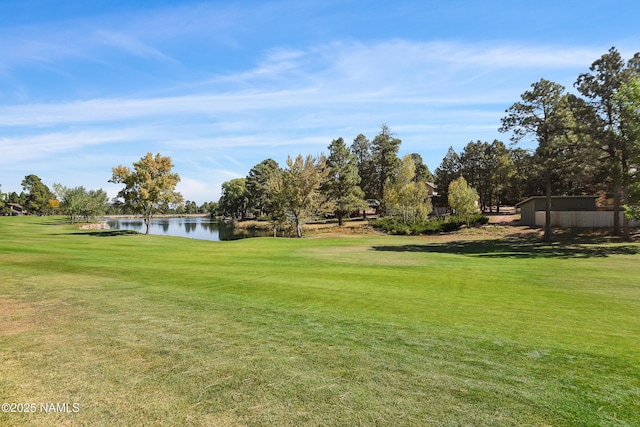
<point>193,228</point>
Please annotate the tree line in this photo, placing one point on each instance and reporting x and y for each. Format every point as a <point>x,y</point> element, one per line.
<point>79,203</point>
<point>588,144</point>
<point>584,145</point>
<point>348,181</point>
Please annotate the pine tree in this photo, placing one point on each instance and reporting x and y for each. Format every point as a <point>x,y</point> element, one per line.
<point>341,185</point>
<point>385,158</point>
<point>448,171</point>
<point>608,74</point>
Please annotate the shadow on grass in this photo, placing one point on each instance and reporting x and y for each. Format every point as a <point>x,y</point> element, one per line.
<point>518,248</point>
<point>108,233</point>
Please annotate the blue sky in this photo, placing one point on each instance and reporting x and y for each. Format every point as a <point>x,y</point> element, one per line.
<point>222,85</point>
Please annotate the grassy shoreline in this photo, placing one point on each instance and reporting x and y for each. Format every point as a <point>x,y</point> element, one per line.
<point>364,330</point>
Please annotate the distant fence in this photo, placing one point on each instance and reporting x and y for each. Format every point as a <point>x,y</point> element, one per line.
<point>581,219</point>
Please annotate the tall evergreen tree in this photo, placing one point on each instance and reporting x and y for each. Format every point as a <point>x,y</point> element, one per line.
<point>385,158</point>
<point>38,194</point>
<point>448,171</point>
<point>361,149</point>
<point>545,114</point>
<point>422,171</point>
<point>475,167</point>
<point>501,170</point>
<point>525,181</point>
<point>341,184</point>
<point>487,168</point>
<point>608,74</point>
<point>628,102</point>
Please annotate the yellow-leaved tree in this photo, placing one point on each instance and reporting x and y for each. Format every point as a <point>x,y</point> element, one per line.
<point>149,188</point>
<point>462,198</point>
<point>405,195</point>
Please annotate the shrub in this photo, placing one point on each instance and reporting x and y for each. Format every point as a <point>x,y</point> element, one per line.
<point>452,224</point>
<point>478,219</point>
<point>392,225</point>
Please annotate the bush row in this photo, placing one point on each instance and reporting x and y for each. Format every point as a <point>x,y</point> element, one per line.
<point>452,223</point>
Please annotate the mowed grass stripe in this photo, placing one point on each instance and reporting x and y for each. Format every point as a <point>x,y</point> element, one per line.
<point>366,330</point>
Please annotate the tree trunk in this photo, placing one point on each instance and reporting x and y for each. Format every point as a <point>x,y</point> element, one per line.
<point>547,214</point>
<point>625,220</point>
<point>298,228</point>
<point>616,209</point>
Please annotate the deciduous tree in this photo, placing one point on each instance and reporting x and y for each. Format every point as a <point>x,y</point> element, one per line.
<point>258,188</point>
<point>296,191</point>
<point>405,195</point>
<point>149,188</point>
<point>234,199</point>
<point>462,198</point>
<point>78,202</point>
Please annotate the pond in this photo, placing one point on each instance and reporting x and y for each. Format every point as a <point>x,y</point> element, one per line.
<point>193,228</point>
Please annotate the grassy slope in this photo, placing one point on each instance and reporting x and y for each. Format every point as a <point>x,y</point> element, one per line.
<point>366,330</point>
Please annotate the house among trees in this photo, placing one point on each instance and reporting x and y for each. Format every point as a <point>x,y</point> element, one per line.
<point>566,212</point>
<point>530,206</point>
<point>432,188</point>
<point>373,207</point>
<point>16,209</point>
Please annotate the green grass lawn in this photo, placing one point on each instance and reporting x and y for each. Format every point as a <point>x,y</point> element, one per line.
<point>357,330</point>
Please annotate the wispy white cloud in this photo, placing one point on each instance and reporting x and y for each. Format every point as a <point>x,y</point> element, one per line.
<point>137,31</point>
<point>354,85</point>
<point>42,145</point>
<point>336,75</point>
<point>494,56</point>
<point>433,94</point>
<point>129,44</point>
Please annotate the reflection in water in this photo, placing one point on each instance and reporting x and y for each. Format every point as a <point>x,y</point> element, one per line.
<point>126,224</point>
<point>189,227</point>
<point>195,228</point>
